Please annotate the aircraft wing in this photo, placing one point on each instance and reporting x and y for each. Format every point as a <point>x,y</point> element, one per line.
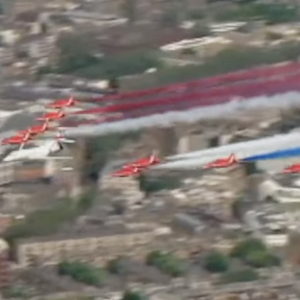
<point>57,158</point>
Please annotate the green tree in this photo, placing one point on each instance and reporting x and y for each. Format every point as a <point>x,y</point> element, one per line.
<point>216,262</point>
<point>262,259</point>
<point>116,266</point>
<point>133,295</point>
<point>272,13</point>
<point>167,263</point>
<point>240,276</point>
<point>153,257</point>
<point>82,272</point>
<point>244,248</point>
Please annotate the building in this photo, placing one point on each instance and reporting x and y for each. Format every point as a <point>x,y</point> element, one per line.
<point>125,188</point>
<point>5,222</point>
<point>98,245</point>
<point>5,276</point>
<point>39,46</point>
<point>7,173</point>
<point>219,189</point>
<point>205,46</point>
<point>12,8</point>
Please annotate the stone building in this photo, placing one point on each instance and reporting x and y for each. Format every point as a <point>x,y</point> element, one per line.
<point>5,276</point>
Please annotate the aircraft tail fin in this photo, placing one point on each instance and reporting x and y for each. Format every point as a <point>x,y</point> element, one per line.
<point>25,140</point>
<point>60,137</point>
<point>73,99</point>
<point>232,158</point>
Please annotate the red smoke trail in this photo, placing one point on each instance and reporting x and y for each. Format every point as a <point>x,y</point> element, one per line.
<point>225,79</point>
<point>211,97</point>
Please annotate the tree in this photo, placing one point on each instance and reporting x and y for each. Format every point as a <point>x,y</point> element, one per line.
<point>82,272</point>
<point>133,295</point>
<point>167,263</point>
<point>272,13</point>
<point>116,266</point>
<point>154,257</point>
<point>262,259</point>
<point>216,262</point>
<point>240,276</point>
<point>244,248</point>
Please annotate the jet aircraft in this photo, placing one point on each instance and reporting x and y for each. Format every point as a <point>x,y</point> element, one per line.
<point>144,162</point>
<point>41,152</point>
<point>34,130</point>
<point>52,116</point>
<point>126,172</point>
<point>292,169</point>
<point>17,140</point>
<point>222,163</point>
<point>63,103</point>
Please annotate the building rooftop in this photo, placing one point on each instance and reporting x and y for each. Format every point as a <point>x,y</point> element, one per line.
<point>86,232</point>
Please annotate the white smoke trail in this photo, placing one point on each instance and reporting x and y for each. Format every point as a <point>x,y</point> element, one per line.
<point>168,119</point>
<point>244,149</point>
<point>241,150</point>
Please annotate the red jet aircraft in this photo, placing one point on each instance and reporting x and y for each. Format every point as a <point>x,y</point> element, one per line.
<point>18,140</point>
<point>59,104</point>
<point>292,169</point>
<point>52,116</point>
<point>144,162</point>
<point>223,162</point>
<point>127,172</point>
<point>34,130</point>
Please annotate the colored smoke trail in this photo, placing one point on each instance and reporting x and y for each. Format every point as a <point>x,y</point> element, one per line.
<point>261,73</point>
<point>279,154</point>
<point>261,149</point>
<point>168,119</point>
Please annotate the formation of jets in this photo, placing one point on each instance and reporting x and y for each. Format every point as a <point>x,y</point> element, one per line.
<point>138,167</point>
<point>34,132</point>
<point>134,168</point>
